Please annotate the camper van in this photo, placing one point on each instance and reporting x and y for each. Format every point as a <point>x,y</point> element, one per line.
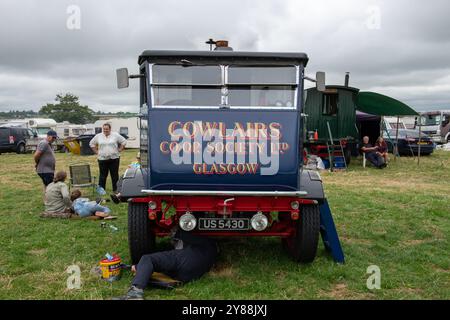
<point>41,126</point>
<point>127,127</point>
<point>436,124</point>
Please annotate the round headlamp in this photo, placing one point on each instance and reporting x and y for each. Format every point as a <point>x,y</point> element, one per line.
<point>152,205</point>
<point>187,222</point>
<point>259,222</point>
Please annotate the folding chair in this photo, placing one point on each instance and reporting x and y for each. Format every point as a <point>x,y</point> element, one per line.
<point>80,177</point>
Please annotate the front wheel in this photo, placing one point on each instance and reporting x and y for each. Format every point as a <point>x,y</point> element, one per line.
<point>303,246</point>
<point>141,239</point>
<point>21,149</point>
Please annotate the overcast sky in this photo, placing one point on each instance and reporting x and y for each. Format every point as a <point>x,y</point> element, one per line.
<point>399,48</point>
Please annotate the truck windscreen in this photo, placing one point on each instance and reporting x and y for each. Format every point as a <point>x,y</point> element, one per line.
<point>224,86</point>
<point>431,120</point>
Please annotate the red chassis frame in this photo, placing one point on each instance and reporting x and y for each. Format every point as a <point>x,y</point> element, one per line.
<point>225,206</point>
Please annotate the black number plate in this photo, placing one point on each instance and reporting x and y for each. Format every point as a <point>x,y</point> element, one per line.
<point>214,224</point>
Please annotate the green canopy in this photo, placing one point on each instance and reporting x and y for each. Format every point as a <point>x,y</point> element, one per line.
<point>381,105</point>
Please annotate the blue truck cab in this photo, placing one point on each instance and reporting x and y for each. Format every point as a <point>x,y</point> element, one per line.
<point>222,150</point>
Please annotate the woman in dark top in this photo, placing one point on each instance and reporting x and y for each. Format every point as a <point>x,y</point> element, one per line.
<point>382,149</point>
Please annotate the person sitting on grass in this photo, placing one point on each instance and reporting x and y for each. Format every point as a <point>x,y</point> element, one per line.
<point>382,149</point>
<point>84,207</point>
<point>371,154</point>
<point>57,200</point>
<point>191,258</point>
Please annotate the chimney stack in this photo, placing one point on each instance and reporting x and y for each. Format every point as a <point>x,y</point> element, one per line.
<point>222,45</point>
<point>347,78</point>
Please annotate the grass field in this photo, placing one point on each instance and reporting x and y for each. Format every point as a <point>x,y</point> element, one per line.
<point>397,219</point>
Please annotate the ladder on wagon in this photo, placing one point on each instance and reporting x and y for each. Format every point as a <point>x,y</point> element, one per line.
<point>336,162</point>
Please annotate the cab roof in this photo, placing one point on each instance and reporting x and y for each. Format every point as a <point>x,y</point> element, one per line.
<point>224,56</point>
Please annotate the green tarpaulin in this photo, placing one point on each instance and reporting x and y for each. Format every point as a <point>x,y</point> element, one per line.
<point>381,105</point>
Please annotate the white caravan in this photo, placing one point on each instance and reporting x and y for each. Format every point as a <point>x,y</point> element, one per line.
<point>390,123</point>
<point>66,129</point>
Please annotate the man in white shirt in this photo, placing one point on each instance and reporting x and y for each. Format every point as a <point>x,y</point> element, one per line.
<point>107,146</point>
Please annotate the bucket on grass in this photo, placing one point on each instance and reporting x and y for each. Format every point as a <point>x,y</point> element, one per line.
<point>111,268</point>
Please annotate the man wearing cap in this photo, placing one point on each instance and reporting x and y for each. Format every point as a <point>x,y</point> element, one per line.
<point>44,158</point>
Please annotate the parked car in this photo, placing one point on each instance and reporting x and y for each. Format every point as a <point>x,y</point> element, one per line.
<point>408,142</point>
<point>14,139</point>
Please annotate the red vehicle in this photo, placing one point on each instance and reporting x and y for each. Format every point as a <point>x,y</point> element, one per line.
<point>221,150</point>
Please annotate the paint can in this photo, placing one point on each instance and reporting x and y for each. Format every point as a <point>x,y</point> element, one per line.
<point>111,268</point>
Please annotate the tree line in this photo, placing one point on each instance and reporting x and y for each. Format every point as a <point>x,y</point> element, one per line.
<point>67,107</point>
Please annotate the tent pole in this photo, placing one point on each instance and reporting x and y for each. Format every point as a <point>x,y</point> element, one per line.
<point>396,138</point>
<point>381,126</point>
<point>420,137</point>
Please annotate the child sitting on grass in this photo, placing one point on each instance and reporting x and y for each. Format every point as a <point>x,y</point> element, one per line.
<point>86,208</point>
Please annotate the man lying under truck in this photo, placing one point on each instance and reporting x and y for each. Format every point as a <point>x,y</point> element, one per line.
<point>191,258</point>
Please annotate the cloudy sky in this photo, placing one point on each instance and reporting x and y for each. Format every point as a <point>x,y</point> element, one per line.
<point>399,47</point>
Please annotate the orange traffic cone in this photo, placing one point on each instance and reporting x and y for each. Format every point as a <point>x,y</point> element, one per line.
<point>316,135</point>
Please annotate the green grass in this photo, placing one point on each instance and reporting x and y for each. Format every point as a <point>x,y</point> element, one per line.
<point>397,218</point>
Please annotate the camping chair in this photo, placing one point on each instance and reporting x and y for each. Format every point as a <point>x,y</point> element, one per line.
<point>80,177</point>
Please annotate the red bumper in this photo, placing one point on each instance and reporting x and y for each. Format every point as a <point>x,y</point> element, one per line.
<point>166,211</point>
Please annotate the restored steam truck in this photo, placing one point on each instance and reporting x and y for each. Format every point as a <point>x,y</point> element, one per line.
<point>222,149</point>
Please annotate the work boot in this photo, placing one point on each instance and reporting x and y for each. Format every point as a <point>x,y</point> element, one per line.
<point>134,293</point>
<point>115,198</point>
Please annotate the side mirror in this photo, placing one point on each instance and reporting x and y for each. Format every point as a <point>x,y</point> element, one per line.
<point>320,81</point>
<point>122,78</point>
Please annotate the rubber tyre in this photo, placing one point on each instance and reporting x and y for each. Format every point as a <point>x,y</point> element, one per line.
<point>141,239</point>
<point>347,155</point>
<point>303,246</point>
<point>21,149</point>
